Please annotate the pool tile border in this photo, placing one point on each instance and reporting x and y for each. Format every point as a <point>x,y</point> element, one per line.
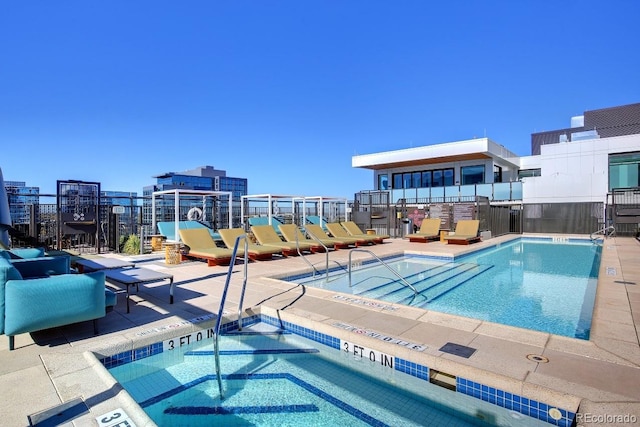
<point>520,404</point>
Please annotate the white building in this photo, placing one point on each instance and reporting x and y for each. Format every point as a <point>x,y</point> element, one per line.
<point>572,165</point>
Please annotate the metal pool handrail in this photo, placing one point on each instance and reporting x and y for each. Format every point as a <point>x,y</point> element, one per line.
<point>402,279</point>
<point>216,345</point>
<point>326,253</point>
<point>603,231</point>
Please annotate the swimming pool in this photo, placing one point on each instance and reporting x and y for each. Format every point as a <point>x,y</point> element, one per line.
<point>276,378</point>
<point>541,284</point>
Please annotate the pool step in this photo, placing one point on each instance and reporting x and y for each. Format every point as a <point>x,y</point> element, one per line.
<point>430,283</point>
<point>395,290</point>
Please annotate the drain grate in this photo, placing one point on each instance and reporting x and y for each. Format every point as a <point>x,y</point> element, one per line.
<point>537,358</point>
<point>60,414</point>
<point>458,350</point>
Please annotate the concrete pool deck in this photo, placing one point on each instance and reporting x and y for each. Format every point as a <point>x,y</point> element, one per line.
<point>601,375</point>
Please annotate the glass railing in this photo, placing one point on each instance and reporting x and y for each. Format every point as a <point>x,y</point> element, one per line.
<point>499,191</point>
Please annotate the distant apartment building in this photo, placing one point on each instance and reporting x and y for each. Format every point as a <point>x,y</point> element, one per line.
<point>22,199</point>
<point>205,178</point>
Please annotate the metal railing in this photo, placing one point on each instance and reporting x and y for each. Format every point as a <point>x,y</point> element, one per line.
<point>216,344</point>
<point>402,279</point>
<point>606,232</point>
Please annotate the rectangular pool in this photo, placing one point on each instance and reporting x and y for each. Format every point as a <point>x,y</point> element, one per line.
<point>535,283</point>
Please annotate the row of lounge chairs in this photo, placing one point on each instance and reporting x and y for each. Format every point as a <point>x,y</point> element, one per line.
<point>200,244</point>
<point>466,232</point>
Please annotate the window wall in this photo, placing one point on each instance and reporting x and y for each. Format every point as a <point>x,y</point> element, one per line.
<point>424,179</point>
<point>472,174</point>
<point>624,170</point>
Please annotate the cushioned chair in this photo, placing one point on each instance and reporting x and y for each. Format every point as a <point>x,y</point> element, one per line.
<point>338,243</point>
<point>355,231</point>
<point>266,236</point>
<point>340,232</point>
<point>466,232</point>
<point>167,229</point>
<point>48,296</point>
<point>429,231</point>
<point>199,244</point>
<point>256,252</point>
<point>292,233</point>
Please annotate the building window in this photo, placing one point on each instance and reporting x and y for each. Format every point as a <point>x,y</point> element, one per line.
<point>624,170</point>
<point>527,173</point>
<point>497,173</point>
<point>383,182</point>
<point>426,179</point>
<point>397,180</point>
<point>472,174</point>
<point>406,180</point>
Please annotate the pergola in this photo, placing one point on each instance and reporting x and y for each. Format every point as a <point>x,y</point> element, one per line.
<point>176,194</point>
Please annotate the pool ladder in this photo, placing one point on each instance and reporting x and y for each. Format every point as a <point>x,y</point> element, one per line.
<point>606,232</point>
<point>216,345</point>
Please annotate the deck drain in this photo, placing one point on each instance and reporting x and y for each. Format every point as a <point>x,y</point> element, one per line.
<point>458,350</point>
<point>537,358</point>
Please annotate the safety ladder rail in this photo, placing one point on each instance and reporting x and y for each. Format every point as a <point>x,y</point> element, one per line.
<point>326,252</point>
<point>216,346</point>
<point>402,279</point>
<point>603,231</point>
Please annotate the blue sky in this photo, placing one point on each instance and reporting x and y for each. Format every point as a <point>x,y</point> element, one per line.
<point>284,93</point>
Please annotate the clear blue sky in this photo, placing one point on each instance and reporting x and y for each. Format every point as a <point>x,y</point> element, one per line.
<point>284,93</point>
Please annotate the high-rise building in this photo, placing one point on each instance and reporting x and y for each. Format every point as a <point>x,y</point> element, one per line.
<point>201,178</point>
<point>21,198</point>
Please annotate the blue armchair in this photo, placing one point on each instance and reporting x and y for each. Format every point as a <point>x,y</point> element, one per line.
<point>41,293</point>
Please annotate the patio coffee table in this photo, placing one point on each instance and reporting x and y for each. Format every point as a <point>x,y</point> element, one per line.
<point>101,264</point>
<point>136,276</point>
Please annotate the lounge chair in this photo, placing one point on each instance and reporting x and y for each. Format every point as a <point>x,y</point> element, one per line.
<point>466,232</point>
<point>267,236</point>
<point>429,231</point>
<point>256,252</point>
<point>338,243</point>
<point>291,233</point>
<point>201,245</point>
<point>340,232</point>
<point>353,229</point>
<point>167,229</point>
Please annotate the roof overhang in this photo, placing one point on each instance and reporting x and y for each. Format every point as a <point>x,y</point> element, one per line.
<point>473,149</point>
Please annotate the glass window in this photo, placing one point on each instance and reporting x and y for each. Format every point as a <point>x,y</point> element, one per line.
<point>438,178</point>
<point>397,180</point>
<point>426,179</point>
<point>383,182</point>
<point>448,176</point>
<point>624,170</point>
<point>472,174</point>
<point>497,173</point>
<point>526,173</point>
<point>415,181</point>
<point>406,180</point>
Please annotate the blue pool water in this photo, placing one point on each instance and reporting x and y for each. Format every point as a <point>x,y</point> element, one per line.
<point>283,379</point>
<point>537,284</point>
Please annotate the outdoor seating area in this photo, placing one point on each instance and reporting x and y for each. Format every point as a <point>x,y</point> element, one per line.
<point>339,232</point>
<point>293,234</point>
<point>42,292</point>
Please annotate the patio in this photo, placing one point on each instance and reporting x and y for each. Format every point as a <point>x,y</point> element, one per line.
<point>51,367</point>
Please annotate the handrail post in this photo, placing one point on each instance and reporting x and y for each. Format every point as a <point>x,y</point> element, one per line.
<point>216,345</point>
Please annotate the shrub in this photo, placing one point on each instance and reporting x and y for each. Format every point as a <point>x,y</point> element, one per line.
<point>132,245</point>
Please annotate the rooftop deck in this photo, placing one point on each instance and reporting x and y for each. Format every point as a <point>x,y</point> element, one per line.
<point>601,375</point>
